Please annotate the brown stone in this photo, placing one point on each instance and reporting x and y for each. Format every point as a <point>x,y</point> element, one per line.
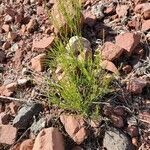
<point>38,62</point>
<point>43,43</point>
<point>110,51</point>
<point>146,25</point>
<point>108,65</point>
<point>49,139</point>
<point>27,145</point>
<point>127,69</point>
<point>128,41</point>
<point>136,85</point>
<point>2,56</point>
<point>4,118</point>
<point>107,111</point>
<point>117,121</point>
<point>75,127</point>
<point>7,134</point>
<point>6,45</point>
<point>119,111</point>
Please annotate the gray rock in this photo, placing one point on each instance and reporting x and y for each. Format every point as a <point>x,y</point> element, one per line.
<point>76,43</point>
<point>116,140</point>
<point>98,10</point>
<point>15,47</point>
<point>25,116</point>
<point>37,126</point>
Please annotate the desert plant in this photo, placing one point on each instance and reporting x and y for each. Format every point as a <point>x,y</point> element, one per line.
<point>83,80</point>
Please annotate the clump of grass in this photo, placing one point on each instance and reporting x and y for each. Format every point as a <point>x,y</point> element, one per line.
<point>83,81</point>
<point>68,12</point>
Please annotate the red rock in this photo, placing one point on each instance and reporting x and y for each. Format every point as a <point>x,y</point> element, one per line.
<point>6,27</point>
<point>141,8</point>
<point>38,62</point>
<point>108,65</point>
<point>40,10</point>
<point>75,127</point>
<point>146,25</point>
<point>133,131</point>
<point>12,36</point>
<point>110,9</point>
<point>122,10</point>
<point>4,118</point>
<point>11,86</point>
<point>7,134</point>
<point>16,147</point>
<point>13,107</point>
<point>17,60</point>
<point>49,139</point>
<point>6,45</point>
<point>146,14</point>
<point>43,43</point>
<point>136,85</point>
<point>89,18</point>
<point>5,92</point>
<point>110,51</point>
<point>128,41</point>
<point>117,121</point>
<point>134,24</point>
<point>32,25</point>
<point>27,145</point>
<point>8,89</point>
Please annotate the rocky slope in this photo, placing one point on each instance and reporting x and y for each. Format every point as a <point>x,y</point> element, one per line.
<point>120,30</point>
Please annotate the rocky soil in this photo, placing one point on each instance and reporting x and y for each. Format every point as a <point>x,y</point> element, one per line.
<point>120,29</point>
